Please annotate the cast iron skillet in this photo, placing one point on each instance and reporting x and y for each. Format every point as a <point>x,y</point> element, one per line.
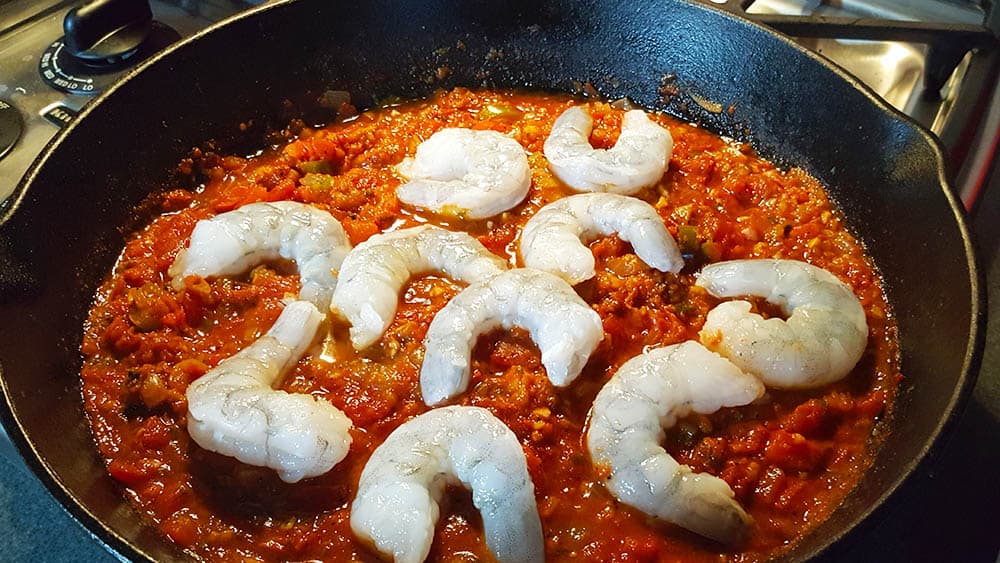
<point>64,228</point>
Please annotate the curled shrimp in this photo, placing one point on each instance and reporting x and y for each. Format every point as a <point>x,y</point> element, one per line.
<point>563,326</point>
<point>823,338</point>
<point>375,271</point>
<point>553,239</point>
<point>647,394</point>
<point>233,242</point>
<point>638,159</point>
<point>465,172</point>
<point>234,411</point>
<point>396,505</point>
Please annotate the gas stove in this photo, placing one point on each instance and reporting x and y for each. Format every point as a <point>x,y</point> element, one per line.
<point>935,60</point>
<point>930,59</point>
<point>52,65</point>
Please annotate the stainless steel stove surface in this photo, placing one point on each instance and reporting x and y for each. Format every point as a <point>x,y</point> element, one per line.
<point>36,98</point>
<point>943,75</point>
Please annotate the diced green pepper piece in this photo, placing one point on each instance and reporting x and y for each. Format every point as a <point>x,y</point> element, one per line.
<point>503,111</point>
<point>687,238</point>
<point>316,167</point>
<point>683,308</point>
<point>317,181</point>
<point>711,251</point>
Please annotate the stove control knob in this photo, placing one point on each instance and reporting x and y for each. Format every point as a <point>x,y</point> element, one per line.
<point>11,127</point>
<point>107,31</point>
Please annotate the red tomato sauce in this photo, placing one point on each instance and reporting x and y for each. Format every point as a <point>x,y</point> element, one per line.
<point>790,459</point>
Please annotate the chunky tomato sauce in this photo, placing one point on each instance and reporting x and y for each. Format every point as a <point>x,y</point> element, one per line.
<point>790,459</point>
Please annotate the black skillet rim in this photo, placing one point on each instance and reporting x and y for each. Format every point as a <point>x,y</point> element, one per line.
<point>122,548</point>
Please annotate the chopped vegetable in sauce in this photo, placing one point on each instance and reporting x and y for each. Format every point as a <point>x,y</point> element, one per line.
<point>790,458</point>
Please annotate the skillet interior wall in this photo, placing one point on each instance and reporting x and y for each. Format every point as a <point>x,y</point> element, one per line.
<point>66,234</point>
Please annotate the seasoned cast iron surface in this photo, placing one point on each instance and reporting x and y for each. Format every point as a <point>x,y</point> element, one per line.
<point>64,232</point>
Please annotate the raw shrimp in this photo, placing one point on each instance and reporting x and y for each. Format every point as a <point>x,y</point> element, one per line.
<point>638,159</point>
<point>396,505</point>
<point>375,271</point>
<point>647,394</point>
<point>553,239</point>
<point>233,242</point>
<point>823,338</point>
<point>468,173</point>
<point>565,328</point>
<point>232,409</point>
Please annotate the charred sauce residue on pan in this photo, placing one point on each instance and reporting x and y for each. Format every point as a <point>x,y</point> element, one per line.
<point>790,459</point>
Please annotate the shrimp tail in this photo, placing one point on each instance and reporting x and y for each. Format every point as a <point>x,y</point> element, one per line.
<point>233,410</point>
<point>396,507</point>
<point>649,393</point>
